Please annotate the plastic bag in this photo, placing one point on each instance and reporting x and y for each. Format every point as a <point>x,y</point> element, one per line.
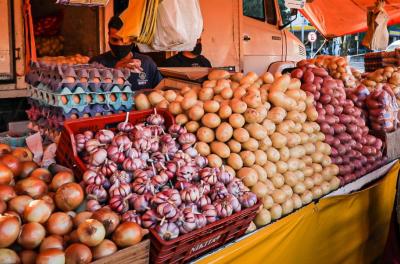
<point>179,25</point>
<point>377,37</point>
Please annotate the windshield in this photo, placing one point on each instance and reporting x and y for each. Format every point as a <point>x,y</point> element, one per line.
<point>285,12</point>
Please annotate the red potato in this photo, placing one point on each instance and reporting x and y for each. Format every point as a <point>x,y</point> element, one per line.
<point>338,110</point>
<point>344,137</point>
<point>309,87</point>
<point>329,139</point>
<point>330,119</point>
<point>298,73</point>
<point>345,119</point>
<point>320,72</point>
<point>308,76</point>
<point>339,128</point>
<point>330,110</point>
<point>351,128</point>
<point>327,129</point>
<point>334,152</point>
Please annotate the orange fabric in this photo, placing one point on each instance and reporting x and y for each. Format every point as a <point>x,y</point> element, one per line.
<point>340,17</point>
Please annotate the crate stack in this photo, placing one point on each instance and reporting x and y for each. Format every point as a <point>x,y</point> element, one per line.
<point>62,92</point>
<point>377,60</point>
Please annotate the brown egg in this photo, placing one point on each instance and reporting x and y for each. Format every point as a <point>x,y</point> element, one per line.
<point>124,97</point>
<point>76,99</point>
<point>74,116</point>
<point>100,98</point>
<point>113,97</point>
<point>96,80</point>
<point>64,100</point>
<point>89,98</point>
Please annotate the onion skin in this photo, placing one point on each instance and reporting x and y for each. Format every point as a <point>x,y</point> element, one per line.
<point>78,253</point>
<point>37,211</point>
<point>31,235</point>
<point>51,256</point>
<point>128,234</point>
<point>6,174</point>
<point>82,216</point>
<point>60,179</point>
<point>7,192</point>
<point>52,241</point>
<point>28,256</point>
<point>104,249</point>
<point>69,196</point>
<point>26,168</point>
<point>59,223</point>
<point>9,256</point>
<point>91,232</point>
<point>42,174</point>
<point>108,218</point>
<point>10,227</point>
<point>12,163</point>
<point>33,187</point>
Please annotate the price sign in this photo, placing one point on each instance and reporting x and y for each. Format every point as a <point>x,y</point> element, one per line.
<point>295,4</point>
<point>312,37</point>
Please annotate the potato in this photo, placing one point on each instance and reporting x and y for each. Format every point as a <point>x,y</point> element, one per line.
<point>252,100</point>
<point>196,113</point>
<point>284,153</point>
<point>189,100</point>
<point>257,131</point>
<point>181,119</point>
<point>175,108</point>
<point>248,158</point>
<point>281,167</point>
<point>163,104</point>
<point>250,144</point>
<point>278,98</point>
<point>211,120</point>
<point>214,161</point>
<point>297,152</point>
<point>270,169</point>
<point>234,146</point>
<point>276,114</point>
<point>262,175</point>
<point>250,78</point>
<point>239,92</point>
<point>209,84</point>
<point>206,94</point>
<point>281,84</point>
<point>211,106</point>
<point>227,93</point>
<point>241,135</point>
<point>261,157</point>
<point>260,189</point>
<point>218,75</point>
<point>293,139</point>
<point>221,149</point>
<point>141,102</point>
<point>225,111</point>
<point>205,134</point>
<point>248,176</point>
<point>251,115</point>
<point>267,78</point>
<point>235,161</point>
<point>192,126</point>
<point>155,97</point>
<point>269,126</point>
<point>221,85</point>
<point>224,132</point>
<point>265,144</point>
<point>203,148</point>
<point>236,120</point>
<point>273,154</point>
<point>312,114</point>
<point>218,98</point>
<point>278,140</point>
<point>238,106</point>
<point>237,76</point>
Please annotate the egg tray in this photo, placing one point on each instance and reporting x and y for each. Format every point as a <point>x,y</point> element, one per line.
<point>116,98</point>
<point>90,77</point>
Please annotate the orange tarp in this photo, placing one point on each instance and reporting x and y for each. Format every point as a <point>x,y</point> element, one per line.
<point>340,17</point>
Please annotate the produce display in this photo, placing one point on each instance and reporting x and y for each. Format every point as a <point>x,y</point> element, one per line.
<point>336,66</point>
<point>39,221</point>
<point>49,46</point>
<point>63,92</point>
<point>376,60</point>
<point>70,60</point>
<point>353,149</point>
<point>154,176</point>
<point>261,128</point>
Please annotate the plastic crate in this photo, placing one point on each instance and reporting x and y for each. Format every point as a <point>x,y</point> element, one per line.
<point>66,151</point>
<point>192,245</point>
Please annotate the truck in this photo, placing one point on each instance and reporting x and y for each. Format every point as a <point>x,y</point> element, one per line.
<point>248,35</point>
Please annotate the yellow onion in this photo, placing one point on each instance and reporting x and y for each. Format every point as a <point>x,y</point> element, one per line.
<point>37,211</point>
<point>19,203</point>
<point>42,174</point>
<point>8,256</point>
<point>104,249</point>
<point>28,256</point>
<point>91,232</point>
<point>78,253</point>
<point>69,196</point>
<point>31,235</point>
<point>23,154</point>
<point>52,241</point>
<point>10,227</point>
<point>128,234</point>
<point>7,192</point>
<point>33,187</point>
<point>12,163</point>
<point>6,174</point>
<point>60,179</point>
<point>51,256</point>
<point>82,216</point>
<point>59,223</point>
<point>26,168</point>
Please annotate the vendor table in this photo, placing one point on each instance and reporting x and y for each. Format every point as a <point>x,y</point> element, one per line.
<point>341,228</point>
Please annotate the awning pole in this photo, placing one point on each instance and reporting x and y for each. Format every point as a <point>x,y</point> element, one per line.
<point>323,44</point>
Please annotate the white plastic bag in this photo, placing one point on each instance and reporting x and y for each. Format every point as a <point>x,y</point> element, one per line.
<point>179,25</point>
<point>380,39</point>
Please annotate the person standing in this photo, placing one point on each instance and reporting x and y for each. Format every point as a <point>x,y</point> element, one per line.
<point>144,72</point>
<point>188,58</point>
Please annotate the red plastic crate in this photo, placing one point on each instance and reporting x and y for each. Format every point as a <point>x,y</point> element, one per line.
<point>66,151</point>
<point>191,245</point>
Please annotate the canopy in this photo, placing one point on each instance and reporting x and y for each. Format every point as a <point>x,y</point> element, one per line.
<point>335,18</point>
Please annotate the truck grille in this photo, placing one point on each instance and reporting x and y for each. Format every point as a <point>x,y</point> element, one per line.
<point>302,50</point>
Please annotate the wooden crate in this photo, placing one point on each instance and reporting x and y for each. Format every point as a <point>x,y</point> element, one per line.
<point>138,254</point>
<point>391,141</point>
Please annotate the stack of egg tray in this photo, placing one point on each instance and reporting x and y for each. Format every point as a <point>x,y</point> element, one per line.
<point>63,92</point>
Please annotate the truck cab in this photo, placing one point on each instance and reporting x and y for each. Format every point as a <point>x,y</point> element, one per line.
<point>247,34</point>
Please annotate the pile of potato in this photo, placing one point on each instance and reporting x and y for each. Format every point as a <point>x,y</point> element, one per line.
<point>263,130</point>
<point>387,75</point>
<point>49,46</point>
<point>337,66</point>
